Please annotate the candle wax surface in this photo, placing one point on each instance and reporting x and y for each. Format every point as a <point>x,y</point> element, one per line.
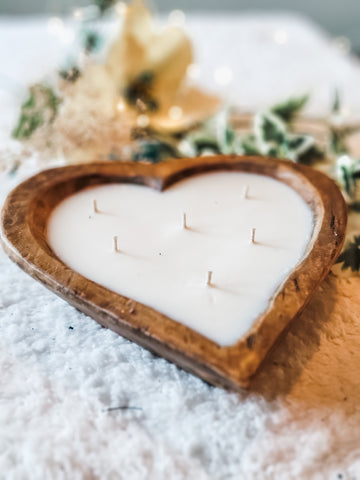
<point>164,266</point>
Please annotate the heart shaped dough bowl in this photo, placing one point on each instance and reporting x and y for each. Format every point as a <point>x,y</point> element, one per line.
<point>24,235</point>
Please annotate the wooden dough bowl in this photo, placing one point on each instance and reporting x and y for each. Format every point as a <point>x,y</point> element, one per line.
<point>23,234</point>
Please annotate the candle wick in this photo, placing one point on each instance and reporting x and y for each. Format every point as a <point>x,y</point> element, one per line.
<point>209,277</point>
<point>252,236</point>
<point>184,221</point>
<point>116,245</point>
<point>95,207</point>
<point>245,194</point>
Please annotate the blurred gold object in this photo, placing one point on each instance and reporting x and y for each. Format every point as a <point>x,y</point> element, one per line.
<point>140,50</point>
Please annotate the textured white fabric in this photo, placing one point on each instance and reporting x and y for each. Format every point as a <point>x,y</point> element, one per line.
<point>61,372</point>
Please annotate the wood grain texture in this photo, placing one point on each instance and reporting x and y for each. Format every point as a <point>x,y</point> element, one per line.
<point>23,235</point>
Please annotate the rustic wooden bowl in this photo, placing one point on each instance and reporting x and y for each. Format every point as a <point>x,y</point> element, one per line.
<point>23,235</point>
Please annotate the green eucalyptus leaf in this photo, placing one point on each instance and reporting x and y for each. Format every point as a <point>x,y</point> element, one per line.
<point>336,105</point>
<point>154,151</point>
<point>269,128</point>
<point>350,257</point>
<point>290,108</point>
<point>104,5</point>
<point>338,141</point>
<point>355,206</point>
<point>249,146</point>
<point>311,155</point>
<point>39,108</point>
<point>91,41</point>
<point>347,173</point>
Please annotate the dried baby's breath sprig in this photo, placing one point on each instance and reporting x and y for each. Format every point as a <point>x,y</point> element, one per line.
<point>11,160</point>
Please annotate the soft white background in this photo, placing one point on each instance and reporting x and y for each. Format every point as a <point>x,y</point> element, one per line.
<point>339,18</point>
<point>61,372</point>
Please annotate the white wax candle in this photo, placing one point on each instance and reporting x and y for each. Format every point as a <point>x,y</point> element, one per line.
<point>163,265</point>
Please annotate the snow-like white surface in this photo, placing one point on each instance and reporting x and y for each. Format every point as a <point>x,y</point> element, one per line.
<point>301,417</point>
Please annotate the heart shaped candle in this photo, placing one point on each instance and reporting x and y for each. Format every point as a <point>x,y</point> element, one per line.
<point>162,260</point>
<point>206,268</point>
